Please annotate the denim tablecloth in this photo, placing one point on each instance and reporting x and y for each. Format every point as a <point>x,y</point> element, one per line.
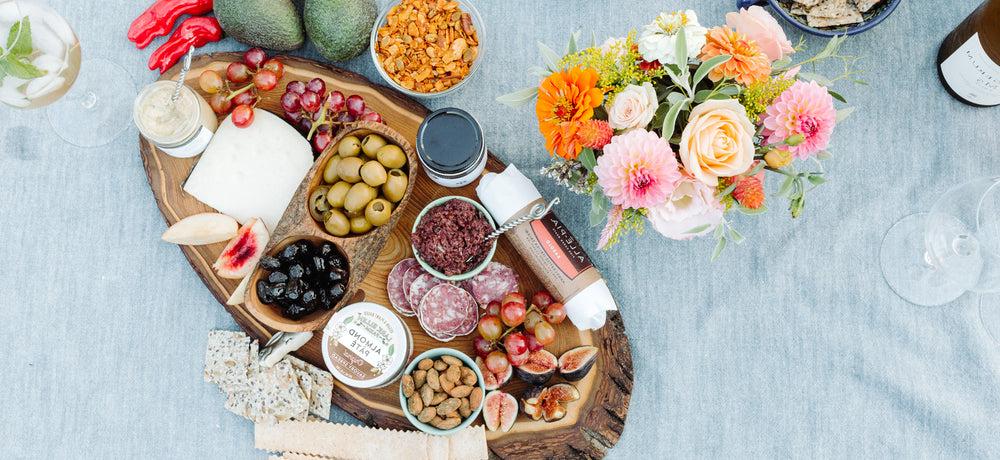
<point>790,345</point>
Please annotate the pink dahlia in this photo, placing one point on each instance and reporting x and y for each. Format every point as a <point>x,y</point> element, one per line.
<point>637,170</point>
<point>806,109</point>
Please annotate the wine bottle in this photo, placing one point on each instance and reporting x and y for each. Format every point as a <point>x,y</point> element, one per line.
<point>969,58</point>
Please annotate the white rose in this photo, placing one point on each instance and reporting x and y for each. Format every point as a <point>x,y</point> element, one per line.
<point>658,40</point>
<point>691,205</point>
<point>634,107</point>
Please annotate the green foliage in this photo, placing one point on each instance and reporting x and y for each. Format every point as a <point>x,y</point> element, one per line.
<point>16,57</point>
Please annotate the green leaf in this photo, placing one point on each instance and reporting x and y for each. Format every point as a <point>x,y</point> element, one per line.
<point>836,95</point>
<point>20,68</point>
<point>392,349</point>
<point>806,76</point>
<point>816,180</point>
<point>19,38</point>
<point>702,96</point>
<point>670,119</point>
<point>539,71</point>
<point>3,72</point>
<point>757,168</point>
<point>550,57</point>
<point>349,320</point>
<point>599,206</point>
<point>681,51</point>
<point>735,235</point>
<point>675,97</point>
<point>571,44</point>
<point>698,229</point>
<point>718,249</point>
<point>719,231</point>
<point>726,191</point>
<point>751,212</point>
<point>786,186</point>
<point>824,155</point>
<point>706,67</point>
<point>729,90</point>
<point>588,159</point>
<point>843,113</point>
<point>519,97</point>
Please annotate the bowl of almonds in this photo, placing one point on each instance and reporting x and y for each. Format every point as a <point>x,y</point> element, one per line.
<point>441,391</point>
<point>427,48</point>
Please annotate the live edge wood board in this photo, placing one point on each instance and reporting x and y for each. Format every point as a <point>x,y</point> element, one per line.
<point>593,424</point>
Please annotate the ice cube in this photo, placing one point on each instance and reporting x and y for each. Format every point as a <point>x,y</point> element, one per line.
<point>61,28</point>
<point>44,85</point>
<point>12,96</point>
<point>46,41</point>
<point>12,82</point>
<point>50,64</point>
<point>9,14</point>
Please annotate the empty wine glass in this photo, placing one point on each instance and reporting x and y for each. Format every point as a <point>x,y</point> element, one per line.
<point>87,101</point>
<point>933,258</point>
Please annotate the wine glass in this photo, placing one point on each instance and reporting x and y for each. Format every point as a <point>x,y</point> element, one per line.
<point>87,101</point>
<point>933,258</point>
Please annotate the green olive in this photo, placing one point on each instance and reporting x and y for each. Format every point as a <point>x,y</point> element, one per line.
<point>391,156</point>
<point>395,185</point>
<point>349,169</point>
<point>359,196</point>
<point>360,225</point>
<point>337,194</point>
<point>353,214</point>
<point>330,173</point>
<point>317,202</point>
<point>373,173</point>
<point>371,143</point>
<point>377,212</point>
<point>349,146</point>
<point>337,223</point>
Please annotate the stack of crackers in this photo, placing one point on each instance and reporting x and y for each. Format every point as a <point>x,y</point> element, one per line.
<point>831,13</point>
<point>317,439</point>
<point>289,390</point>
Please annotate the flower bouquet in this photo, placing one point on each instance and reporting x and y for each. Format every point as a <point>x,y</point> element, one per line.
<point>678,125</point>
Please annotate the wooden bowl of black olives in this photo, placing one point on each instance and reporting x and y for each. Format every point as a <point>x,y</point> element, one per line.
<point>337,223</point>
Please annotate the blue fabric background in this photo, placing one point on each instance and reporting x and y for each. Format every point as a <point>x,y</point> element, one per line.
<point>790,345</point>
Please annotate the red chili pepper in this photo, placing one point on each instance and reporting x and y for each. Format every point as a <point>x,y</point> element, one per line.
<point>194,31</point>
<point>159,18</point>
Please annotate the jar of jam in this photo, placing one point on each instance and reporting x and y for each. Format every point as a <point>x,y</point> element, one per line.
<point>451,148</point>
<point>180,128</point>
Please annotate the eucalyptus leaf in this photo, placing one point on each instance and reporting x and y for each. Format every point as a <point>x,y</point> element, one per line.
<point>719,231</point>
<point>726,191</point>
<point>816,180</point>
<point>806,76</point>
<point>599,206</point>
<point>667,129</point>
<point>698,229</point>
<point>706,67</point>
<point>757,168</point>
<point>843,113</point>
<point>519,97</point>
<point>539,71</point>
<point>675,97</point>
<point>718,249</point>
<point>588,159</point>
<point>681,51</point>
<point>786,186</point>
<point>571,44</point>
<point>550,57</point>
<point>836,95</point>
<point>824,155</point>
<point>735,235</point>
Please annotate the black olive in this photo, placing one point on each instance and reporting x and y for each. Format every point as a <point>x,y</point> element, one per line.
<point>262,292</point>
<point>305,247</point>
<point>337,291</point>
<point>294,290</point>
<point>326,249</point>
<point>296,311</point>
<point>309,298</point>
<point>289,252</point>
<point>276,291</point>
<point>277,277</point>
<point>270,263</point>
<point>296,271</point>
<point>334,276</point>
<point>324,299</point>
<point>318,263</point>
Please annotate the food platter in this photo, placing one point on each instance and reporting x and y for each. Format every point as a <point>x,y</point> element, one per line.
<point>593,423</point>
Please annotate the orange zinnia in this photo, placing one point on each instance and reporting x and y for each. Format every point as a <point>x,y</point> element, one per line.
<point>748,65</point>
<point>565,100</point>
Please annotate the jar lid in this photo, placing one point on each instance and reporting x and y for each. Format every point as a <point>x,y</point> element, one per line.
<point>365,345</point>
<point>450,141</point>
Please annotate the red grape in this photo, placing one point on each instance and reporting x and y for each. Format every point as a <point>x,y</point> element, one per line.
<point>515,343</point>
<point>304,124</point>
<point>336,100</point>
<point>531,319</point>
<point>220,103</point>
<point>345,117</point>
<point>274,65</point>
<point>265,80</point>
<point>294,117</point>
<point>555,313</point>
<point>490,327</point>
<point>254,57</point>
<point>242,116</point>
<point>482,346</point>
<point>514,297</point>
<point>316,85</point>
<point>245,98</point>
<point>210,81</point>
<point>520,359</point>
<point>321,139</point>
<point>355,105</point>
<point>533,344</point>
<point>493,308</point>
<point>542,299</point>
<point>512,314</point>
<point>545,333</point>
<point>290,102</point>
<point>497,362</point>
<point>372,117</point>
<point>238,72</point>
<point>310,101</point>
<point>296,87</point>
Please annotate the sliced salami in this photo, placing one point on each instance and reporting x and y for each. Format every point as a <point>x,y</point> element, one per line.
<point>442,337</point>
<point>471,320</point>
<point>396,289</point>
<point>420,287</point>
<point>443,309</point>
<point>492,283</point>
<point>408,276</point>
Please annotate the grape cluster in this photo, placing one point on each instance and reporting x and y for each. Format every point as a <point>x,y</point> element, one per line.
<point>239,92</point>
<point>318,114</point>
<point>510,330</point>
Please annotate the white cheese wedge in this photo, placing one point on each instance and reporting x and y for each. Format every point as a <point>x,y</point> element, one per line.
<point>253,171</point>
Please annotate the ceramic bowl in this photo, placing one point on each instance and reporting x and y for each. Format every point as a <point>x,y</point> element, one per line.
<point>469,274</point>
<point>435,353</point>
<point>872,18</point>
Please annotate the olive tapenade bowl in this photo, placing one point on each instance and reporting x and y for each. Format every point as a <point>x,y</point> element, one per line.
<point>297,223</point>
<point>478,268</point>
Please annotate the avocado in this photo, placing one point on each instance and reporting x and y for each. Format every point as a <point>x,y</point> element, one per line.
<point>271,24</point>
<point>340,29</point>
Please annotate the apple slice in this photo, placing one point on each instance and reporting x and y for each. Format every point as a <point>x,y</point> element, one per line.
<point>239,295</point>
<point>242,253</point>
<point>204,228</point>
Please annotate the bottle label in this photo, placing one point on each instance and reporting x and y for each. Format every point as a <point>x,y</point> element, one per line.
<point>972,74</point>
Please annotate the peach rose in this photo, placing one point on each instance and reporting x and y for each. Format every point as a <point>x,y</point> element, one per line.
<point>717,141</point>
<point>762,28</point>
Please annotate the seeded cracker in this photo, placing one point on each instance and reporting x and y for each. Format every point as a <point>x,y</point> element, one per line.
<point>866,5</point>
<point>322,392</point>
<point>227,360</point>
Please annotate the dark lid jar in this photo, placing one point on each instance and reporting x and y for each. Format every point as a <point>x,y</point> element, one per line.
<point>451,147</point>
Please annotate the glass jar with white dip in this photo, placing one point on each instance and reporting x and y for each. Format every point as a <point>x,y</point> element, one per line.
<point>451,147</point>
<point>181,128</point>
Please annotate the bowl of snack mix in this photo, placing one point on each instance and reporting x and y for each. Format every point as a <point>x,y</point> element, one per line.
<point>428,48</point>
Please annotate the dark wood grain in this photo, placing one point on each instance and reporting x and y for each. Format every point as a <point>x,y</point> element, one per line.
<point>593,424</point>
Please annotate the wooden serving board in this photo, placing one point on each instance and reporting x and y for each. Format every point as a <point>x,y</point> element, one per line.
<point>593,424</point>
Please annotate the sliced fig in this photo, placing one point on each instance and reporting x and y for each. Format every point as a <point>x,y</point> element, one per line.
<point>530,404</point>
<point>493,381</point>
<point>204,228</point>
<point>563,392</point>
<point>539,368</point>
<point>240,256</point>
<point>499,411</point>
<point>549,403</point>
<point>576,363</point>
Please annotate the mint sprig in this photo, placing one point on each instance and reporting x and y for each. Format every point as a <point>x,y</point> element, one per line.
<point>15,60</point>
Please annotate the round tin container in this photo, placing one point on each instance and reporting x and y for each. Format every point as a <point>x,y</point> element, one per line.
<point>194,128</point>
<point>365,345</point>
<point>451,147</point>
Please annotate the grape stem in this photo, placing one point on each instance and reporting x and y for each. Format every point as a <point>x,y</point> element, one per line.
<point>320,122</point>
<point>239,91</point>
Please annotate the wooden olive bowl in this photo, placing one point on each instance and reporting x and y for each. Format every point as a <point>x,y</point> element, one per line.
<point>297,224</point>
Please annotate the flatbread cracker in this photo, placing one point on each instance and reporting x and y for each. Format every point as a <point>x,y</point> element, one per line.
<point>276,395</point>
<point>807,3</point>
<point>322,394</point>
<point>469,443</point>
<point>297,456</point>
<point>306,385</point>
<point>227,360</point>
<point>866,5</point>
<point>832,9</point>
<point>818,21</point>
